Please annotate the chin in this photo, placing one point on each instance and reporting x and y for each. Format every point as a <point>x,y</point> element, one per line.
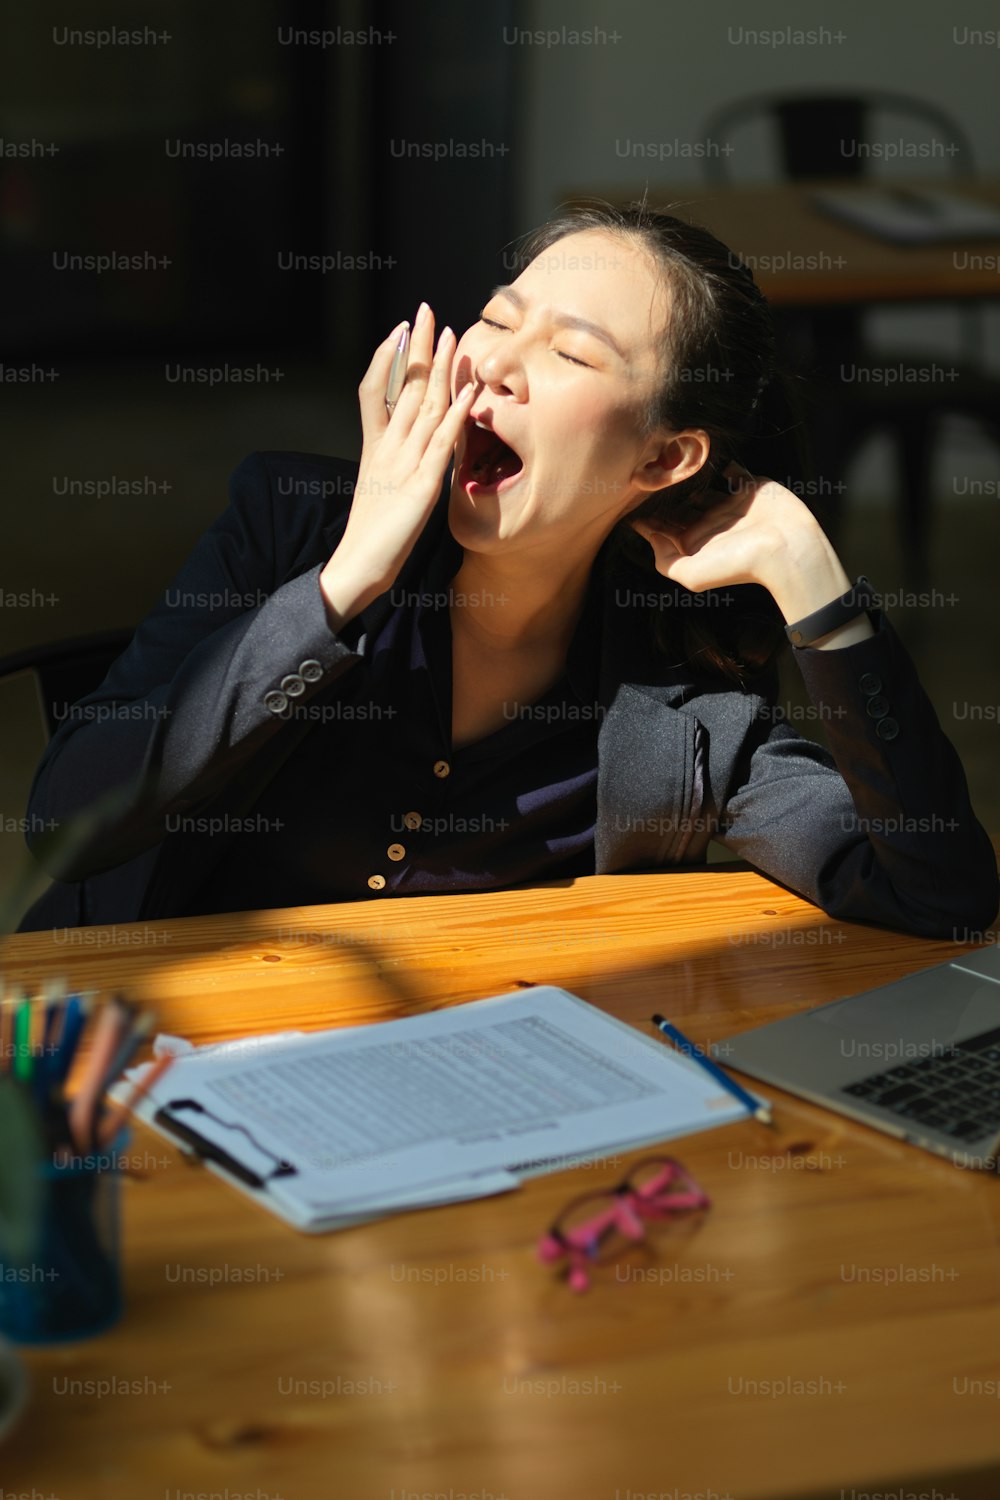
<point>473,523</point>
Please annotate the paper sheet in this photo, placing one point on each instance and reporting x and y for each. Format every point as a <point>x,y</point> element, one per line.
<point>377,1116</point>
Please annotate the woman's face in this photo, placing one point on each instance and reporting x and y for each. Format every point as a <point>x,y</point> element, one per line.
<point>567,357</point>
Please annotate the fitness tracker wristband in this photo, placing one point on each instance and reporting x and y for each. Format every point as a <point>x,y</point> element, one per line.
<point>857,599</point>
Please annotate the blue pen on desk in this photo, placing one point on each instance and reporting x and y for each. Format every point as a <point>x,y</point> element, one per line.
<point>757,1108</point>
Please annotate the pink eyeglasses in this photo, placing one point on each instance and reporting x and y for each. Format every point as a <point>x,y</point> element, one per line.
<point>595,1227</point>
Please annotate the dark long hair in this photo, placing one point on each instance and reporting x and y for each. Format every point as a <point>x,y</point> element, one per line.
<point>718,373</point>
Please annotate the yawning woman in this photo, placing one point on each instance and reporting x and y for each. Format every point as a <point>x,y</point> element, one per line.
<point>530,637</point>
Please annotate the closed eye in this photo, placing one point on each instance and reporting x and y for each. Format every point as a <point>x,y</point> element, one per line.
<point>492,323</point>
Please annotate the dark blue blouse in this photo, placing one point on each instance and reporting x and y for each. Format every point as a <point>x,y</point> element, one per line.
<point>375,802</point>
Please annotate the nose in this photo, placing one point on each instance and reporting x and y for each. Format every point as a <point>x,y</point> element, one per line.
<point>502,369</point>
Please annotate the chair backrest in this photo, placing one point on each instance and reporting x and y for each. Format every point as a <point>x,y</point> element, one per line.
<point>67,670</point>
<point>831,135</point>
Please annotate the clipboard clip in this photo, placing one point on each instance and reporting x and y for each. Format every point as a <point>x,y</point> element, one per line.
<point>207,1150</point>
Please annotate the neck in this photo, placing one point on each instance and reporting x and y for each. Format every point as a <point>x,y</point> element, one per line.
<point>518,605</point>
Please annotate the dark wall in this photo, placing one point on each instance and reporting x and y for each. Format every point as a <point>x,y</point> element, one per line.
<point>231,139</point>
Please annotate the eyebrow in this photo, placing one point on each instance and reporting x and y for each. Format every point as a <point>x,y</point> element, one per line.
<point>565,320</point>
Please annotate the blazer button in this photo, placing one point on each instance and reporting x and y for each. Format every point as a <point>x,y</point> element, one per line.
<point>376,882</point>
<point>412,820</point>
<point>293,685</point>
<point>877,707</point>
<point>442,768</point>
<point>870,684</point>
<point>310,670</point>
<point>887,729</point>
<point>396,851</point>
<point>276,701</point>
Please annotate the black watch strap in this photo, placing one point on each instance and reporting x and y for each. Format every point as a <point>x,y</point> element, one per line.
<point>857,599</point>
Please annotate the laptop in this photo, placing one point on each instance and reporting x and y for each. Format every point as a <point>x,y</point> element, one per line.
<point>919,1058</point>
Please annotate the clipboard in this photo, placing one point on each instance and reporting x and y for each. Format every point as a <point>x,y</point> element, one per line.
<point>167,1117</point>
<point>237,1174</point>
<point>256,1119</point>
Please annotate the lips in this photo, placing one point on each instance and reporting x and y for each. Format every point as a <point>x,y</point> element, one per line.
<point>488,460</point>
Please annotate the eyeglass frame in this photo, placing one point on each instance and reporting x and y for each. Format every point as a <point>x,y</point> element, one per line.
<point>580,1246</point>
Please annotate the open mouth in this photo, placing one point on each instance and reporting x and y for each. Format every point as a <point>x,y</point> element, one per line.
<point>488,463</point>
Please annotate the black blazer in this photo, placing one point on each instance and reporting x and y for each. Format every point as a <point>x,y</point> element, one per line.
<point>193,720</point>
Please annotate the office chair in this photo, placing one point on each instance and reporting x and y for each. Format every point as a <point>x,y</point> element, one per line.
<point>66,670</point>
<point>810,131</point>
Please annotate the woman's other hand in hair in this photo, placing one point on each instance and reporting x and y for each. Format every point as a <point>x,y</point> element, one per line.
<point>758,532</point>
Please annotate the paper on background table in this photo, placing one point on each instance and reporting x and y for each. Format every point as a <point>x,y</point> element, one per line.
<point>922,216</point>
<point>376,1117</point>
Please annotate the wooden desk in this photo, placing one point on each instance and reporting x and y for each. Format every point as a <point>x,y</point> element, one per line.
<point>804,258</point>
<point>432,1352</point>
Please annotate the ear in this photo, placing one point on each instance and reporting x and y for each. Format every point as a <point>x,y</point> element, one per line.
<point>671,459</point>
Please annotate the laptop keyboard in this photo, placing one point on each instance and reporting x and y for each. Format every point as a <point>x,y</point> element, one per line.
<point>955,1091</point>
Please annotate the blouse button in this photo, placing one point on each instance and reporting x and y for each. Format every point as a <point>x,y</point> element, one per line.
<point>442,768</point>
<point>396,851</point>
<point>376,882</point>
<point>412,820</point>
<point>310,670</point>
<point>878,707</point>
<point>293,685</point>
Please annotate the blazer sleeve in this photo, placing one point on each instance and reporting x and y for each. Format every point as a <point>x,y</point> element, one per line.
<point>883,829</point>
<point>198,692</point>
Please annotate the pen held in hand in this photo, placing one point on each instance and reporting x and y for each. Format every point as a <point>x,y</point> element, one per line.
<point>397,374</point>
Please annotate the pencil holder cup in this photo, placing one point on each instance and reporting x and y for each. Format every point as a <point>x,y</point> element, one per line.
<point>70,1285</point>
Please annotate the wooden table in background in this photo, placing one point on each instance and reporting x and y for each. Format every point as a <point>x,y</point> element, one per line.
<point>831,1324</point>
<point>802,257</point>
